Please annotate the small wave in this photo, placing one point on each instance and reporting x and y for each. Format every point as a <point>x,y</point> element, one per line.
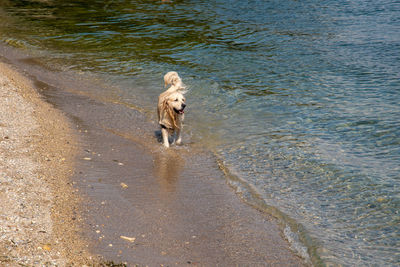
<point>295,243</point>
<point>300,242</point>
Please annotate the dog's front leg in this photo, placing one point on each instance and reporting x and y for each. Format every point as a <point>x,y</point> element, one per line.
<point>178,136</point>
<point>164,133</point>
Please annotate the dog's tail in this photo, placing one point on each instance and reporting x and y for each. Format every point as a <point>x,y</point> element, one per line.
<point>172,78</point>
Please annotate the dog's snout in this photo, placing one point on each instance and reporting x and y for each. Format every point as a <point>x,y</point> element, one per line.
<point>183,105</point>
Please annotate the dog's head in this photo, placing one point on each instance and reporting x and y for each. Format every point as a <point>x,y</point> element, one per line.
<point>176,102</point>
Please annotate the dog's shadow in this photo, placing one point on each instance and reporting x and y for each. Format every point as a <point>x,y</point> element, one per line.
<point>158,135</point>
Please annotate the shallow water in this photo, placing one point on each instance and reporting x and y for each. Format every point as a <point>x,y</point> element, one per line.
<point>299,99</point>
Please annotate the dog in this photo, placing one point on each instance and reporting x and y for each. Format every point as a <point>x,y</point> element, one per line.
<point>170,108</point>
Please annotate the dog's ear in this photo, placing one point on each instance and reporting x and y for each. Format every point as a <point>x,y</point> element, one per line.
<point>164,104</point>
<point>169,113</point>
<point>163,112</point>
<point>165,108</point>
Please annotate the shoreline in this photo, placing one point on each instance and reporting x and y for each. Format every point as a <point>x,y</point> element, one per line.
<point>39,222</point>
<point>177,203</point>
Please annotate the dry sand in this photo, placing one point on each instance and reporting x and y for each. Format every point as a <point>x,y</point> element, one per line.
<point>39,211</point>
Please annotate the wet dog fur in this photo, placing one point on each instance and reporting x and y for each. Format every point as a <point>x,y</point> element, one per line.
<point>170,108</point>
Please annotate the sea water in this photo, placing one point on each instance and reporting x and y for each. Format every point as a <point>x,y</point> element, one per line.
<point>300,100</point>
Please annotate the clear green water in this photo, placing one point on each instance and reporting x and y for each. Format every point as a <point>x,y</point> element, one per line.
<point>298,98</point>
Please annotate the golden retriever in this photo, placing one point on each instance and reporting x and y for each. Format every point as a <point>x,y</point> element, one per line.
<point>170,108</point>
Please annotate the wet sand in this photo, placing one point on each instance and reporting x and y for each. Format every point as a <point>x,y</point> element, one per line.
<point>147,205</point>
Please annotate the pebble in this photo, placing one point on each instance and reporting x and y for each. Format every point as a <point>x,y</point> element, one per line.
<point>130,239</point>
<point>381,199</point>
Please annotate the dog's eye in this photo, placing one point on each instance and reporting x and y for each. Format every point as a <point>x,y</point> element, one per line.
<point>176,99</point>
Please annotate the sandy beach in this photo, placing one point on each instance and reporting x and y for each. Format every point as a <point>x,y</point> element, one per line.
<point>39,211</point>
<point>290,151</point>
<point>89,180</point>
